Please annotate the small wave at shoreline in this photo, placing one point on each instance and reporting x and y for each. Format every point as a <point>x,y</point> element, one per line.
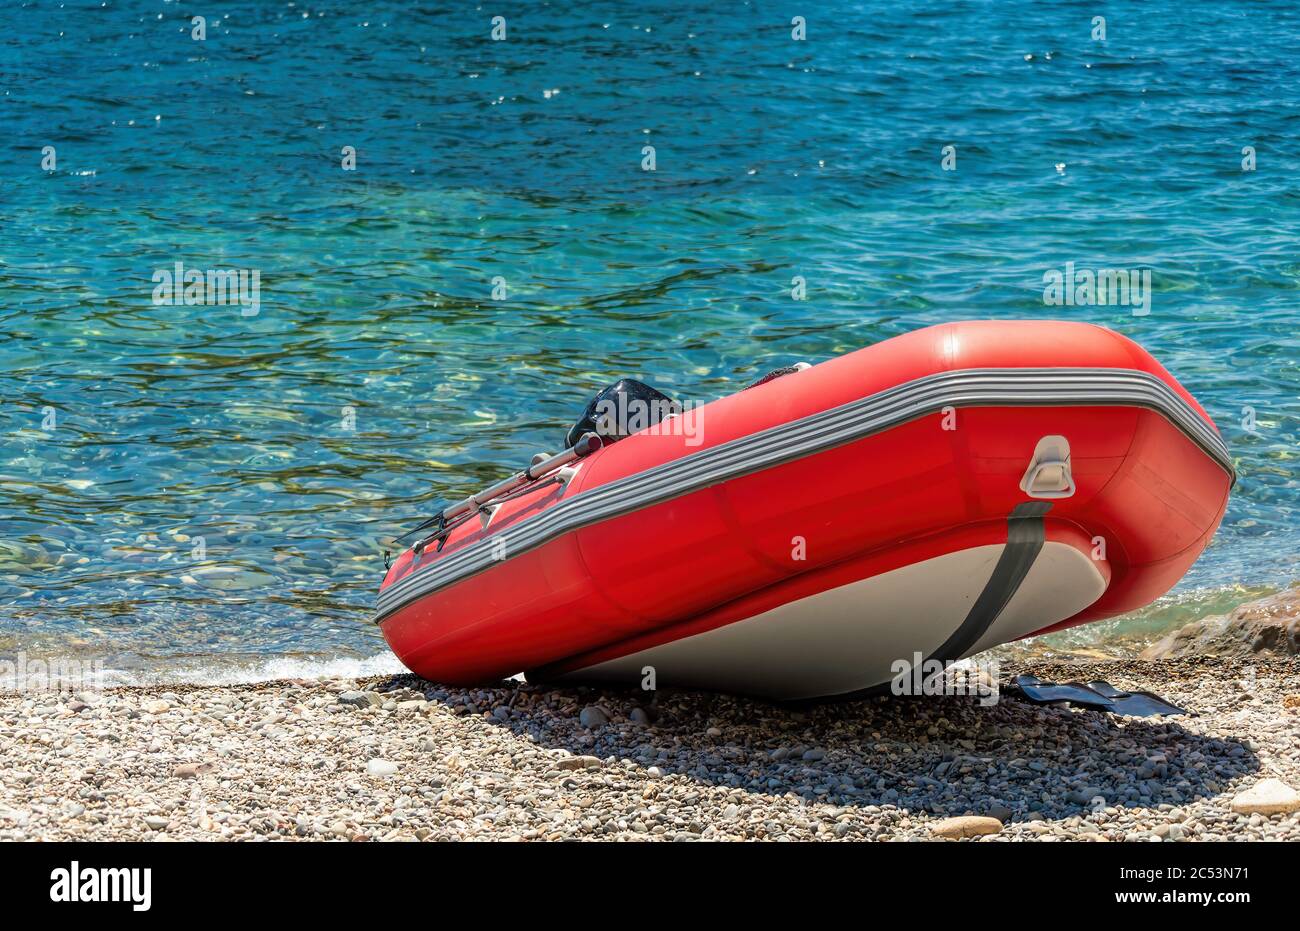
<point>207,670</point>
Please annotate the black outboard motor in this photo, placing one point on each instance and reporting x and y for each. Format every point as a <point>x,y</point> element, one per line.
<point>625,407</point>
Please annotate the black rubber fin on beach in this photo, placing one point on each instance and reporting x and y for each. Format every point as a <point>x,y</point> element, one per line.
<point>1137,704</point>
<point>1096,695</point>
<point>1049,693</point>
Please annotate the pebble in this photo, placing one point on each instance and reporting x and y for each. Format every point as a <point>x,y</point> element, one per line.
<point>379,767</point>
<point>579,762</point>
<point>192,770</point>
<point>1269,797</point>
<point>592,717</point>
<point>1000,812</point>
<point>965,826</point>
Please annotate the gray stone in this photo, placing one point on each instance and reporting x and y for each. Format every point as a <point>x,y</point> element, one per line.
<point>592,717</point>
<point>1269,797</point>
<point>569,763</point>
<point>192,770</point>
<point>361,699</point>
<point>1001,812</point>
<point>378,767</point>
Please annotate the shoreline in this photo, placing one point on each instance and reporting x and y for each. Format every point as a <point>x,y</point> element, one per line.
<point>394,758</point>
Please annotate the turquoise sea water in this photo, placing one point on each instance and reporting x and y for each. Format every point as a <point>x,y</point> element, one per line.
<point>379,373</point>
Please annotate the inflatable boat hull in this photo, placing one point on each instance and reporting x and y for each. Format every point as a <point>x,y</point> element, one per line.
<point>817,529</point>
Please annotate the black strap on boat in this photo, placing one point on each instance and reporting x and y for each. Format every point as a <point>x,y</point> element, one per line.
<point>1025,537</point>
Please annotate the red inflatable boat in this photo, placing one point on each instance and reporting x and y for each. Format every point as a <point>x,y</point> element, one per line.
<point>938,494</point>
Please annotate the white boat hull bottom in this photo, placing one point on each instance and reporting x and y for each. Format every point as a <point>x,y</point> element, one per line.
<point>850,638</point>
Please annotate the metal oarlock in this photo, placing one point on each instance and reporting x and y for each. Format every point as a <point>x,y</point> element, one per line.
<point>540,468</point>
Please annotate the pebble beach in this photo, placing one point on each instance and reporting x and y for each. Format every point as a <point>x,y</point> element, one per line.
<point>399,759</point>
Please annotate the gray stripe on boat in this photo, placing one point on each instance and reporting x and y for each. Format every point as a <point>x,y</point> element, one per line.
<point>1027,387</point>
